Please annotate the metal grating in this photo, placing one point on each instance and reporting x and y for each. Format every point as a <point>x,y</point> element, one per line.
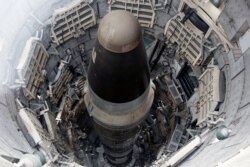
<point>35,130</point>
<point>188,38</point>
<point>175,139</point>
<point>60,86</point>
<point>209,14</point>
<point>33,125</point>
<point>30,66</point>
<point>64,108</point>
<point>141,9</point>
<point>173,89</point>
<point>209,96</point>
<point>72,21</point>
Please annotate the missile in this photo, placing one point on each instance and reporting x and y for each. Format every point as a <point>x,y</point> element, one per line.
<point>120,93</point>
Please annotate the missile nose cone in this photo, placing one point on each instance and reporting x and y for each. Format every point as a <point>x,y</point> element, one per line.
<point>119,95</point>
<point>119,31</point>
<point>118,71</point>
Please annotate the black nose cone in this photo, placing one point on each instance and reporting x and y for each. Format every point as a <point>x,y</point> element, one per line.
<point>118,71</point>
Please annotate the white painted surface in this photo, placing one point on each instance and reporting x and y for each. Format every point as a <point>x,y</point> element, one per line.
<point>244,41</point>
<point>241,159</point>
